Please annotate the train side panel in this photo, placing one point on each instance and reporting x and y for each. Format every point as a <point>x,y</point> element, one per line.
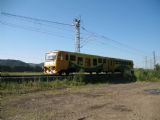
<point>74,62</point>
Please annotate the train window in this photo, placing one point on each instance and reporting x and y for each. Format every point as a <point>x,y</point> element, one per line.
<point>50,56</point>
<point>72,57</point>
<point>99,60</point>
<point>94,62</point>
<point>87,62</point>
<point>104,60</point>
<point>66,57</point>
<point>80,61</point>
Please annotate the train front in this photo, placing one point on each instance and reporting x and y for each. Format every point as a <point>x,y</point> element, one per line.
<point>50,63</point>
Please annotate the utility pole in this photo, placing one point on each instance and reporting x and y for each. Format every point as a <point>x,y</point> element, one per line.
<point>154,59</point>
<point>146,62</point>
<point>77,38</point>
<point>150,63</point>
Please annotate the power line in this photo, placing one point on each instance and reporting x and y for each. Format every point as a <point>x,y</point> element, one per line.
<point>87,40</point>
<point>45,24</point>
<point>32,29</point>
<point>52,26</point>
<point>116,42</point>
<point>35,19</point>
<point>76,24</point>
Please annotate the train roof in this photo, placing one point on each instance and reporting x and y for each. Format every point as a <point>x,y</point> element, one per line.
<point>92,55</point>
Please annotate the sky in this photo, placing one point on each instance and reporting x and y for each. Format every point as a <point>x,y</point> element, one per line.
<point>126,29</point>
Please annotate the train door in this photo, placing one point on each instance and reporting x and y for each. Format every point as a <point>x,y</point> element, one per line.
<point>105,65</point>
<point>110,65</point>
<point>63,61</point>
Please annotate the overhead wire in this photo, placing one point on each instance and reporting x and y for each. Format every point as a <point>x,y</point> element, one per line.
<point>52,25</point>
<point>35,19</point>
<point>32,29</point>
<point>116,44</point>
<point>135,50</point>
<point>88,39</point>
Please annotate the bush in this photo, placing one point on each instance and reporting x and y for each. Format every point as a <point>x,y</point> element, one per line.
<point>147,75</point>
<point>80,76</point>
<point>157,67</point>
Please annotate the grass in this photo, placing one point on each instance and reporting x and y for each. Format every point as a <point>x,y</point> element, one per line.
<point>32,86</point>
<point>20,73</point>
<point>147,75</point>
<point>79,79</point>
<point>28,106</point>
<point>11,91</point>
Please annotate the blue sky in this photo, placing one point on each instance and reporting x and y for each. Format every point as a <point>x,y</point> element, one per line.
<point>135,24</point>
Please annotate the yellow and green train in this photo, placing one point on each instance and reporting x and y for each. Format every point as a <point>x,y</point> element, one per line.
<point>59,62</point>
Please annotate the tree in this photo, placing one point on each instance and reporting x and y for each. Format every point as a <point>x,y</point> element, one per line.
<point>157,67</point>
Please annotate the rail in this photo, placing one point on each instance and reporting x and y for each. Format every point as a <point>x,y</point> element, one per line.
<point>89,78</point>
<point>27,78</point>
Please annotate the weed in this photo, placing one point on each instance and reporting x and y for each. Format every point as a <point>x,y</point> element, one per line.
<point>25,87</point>
<point>147,75</point>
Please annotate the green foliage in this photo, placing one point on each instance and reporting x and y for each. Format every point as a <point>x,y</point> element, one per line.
<point>127,75</point>
<point>157,67</point>
<point>31,86</point>
<point>147,75</point>
<point>20,73</point>
<point>80,76</point>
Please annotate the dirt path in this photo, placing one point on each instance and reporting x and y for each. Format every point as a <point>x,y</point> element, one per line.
<point>90,102</point>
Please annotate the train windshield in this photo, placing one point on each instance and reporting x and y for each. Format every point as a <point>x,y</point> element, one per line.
<point>50,56</point>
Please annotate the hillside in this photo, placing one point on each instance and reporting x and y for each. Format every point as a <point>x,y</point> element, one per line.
<point>10,65</point>
<point>34,64</point>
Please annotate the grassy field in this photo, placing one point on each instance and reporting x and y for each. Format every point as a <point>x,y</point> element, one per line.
<point>21,73</point>
<point>147,75</point>
<point>84,102</point>
<point>30,100</point>
<point>31,86</point>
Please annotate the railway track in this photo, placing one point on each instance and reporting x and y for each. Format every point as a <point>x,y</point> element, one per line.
<point>21,78</point>
<point>89,77</point>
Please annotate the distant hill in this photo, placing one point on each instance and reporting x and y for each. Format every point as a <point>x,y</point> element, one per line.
<point>11,62</point>
<point>33,64</point>
<point>10,65</point>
